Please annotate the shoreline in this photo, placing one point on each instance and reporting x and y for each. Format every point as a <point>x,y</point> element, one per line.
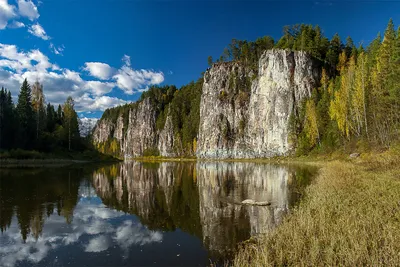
<point>61,162</point>
<point>349,215</point>
<point>43,163</point>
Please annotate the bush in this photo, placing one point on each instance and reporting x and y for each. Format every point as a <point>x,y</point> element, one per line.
<point>223,95</point>
<point>151,152</point>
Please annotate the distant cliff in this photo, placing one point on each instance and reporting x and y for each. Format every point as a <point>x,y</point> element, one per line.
<point>242,112</point>
<point>245,114</point>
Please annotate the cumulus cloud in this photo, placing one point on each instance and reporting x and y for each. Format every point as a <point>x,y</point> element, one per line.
<point>38,31</point>
<point>126,78</point>
<point>99,70</point>
<point>16,24</point>
<point>131,80</point>
<point>17,65</point>
<point>7,12</point>
<point>59,83</point>
<point>56,50</point>
<point>88,103</point>
<point>19,61</point>
<point>28,9</point>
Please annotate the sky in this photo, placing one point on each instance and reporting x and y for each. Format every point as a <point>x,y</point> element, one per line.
<point>105,53</point>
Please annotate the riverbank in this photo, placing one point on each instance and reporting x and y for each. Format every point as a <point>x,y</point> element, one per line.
<point>33,159</point>
<point>350,216</point>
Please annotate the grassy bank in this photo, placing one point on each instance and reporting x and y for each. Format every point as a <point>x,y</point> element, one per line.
<point>350,216</point>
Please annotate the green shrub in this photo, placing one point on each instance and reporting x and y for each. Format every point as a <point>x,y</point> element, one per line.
<point>151,152</point>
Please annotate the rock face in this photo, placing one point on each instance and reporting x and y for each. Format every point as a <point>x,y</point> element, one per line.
<point>251,119</point>
<point>166,139</point>
<point>102,131</point>
<point>243,113</point>
<point>139,134</point>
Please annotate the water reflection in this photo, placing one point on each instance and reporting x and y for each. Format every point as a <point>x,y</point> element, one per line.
<point>140,213</point>
<point>223,185</point>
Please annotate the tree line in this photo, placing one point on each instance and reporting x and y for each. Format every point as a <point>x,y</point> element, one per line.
<point>183,107</point>
<point>31,124</point>
<point>358,102</point>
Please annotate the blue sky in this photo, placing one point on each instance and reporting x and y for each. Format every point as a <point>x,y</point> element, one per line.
<point>105,52</point>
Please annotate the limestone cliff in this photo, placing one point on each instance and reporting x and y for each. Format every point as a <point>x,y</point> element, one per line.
<point>137,135</point>
<point>244,112</point>
<point>251,120</point>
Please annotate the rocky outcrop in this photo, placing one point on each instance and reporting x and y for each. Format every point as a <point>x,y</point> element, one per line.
<point>258,127</point>
<point>244,113</point>
<point>139,134</point>
<point>102,131</point>
<point>166,139</point>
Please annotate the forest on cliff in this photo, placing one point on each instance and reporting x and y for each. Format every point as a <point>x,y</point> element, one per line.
<point>355,104</point>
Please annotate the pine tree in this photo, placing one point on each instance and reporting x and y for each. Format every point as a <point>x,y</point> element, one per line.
<point>382,110</point>
<point>210,61</point>
<point>25,115</point>
<point>333,53</point>
<point>51,118</point>
<point>60,115</point>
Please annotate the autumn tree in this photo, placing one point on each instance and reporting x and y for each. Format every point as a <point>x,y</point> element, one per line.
<point>70,121</point>
<point>359,99</point>
<point>311,123</point>
<point>38,106</point>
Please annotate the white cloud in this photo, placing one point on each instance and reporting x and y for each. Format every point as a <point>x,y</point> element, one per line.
<point>56,50</point>
<point>98,244</point>
<point>16,24</point>
<point>28,9</point>
<point>59,83</point>
<point>94,222</point>
<point>16,65</point>
<point>126,78</point>
<point>127,60</point>
<point>38,31</point>
<point>129,234</point>
<point>131,80</point>
<point>89,103</point>
<point>99,70</point>
<point>99,88</point>
<point>7,12</point>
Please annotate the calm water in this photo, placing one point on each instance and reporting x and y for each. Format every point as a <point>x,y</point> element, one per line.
<point>169,214</point>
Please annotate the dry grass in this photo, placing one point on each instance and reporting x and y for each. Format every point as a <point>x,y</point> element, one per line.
<point>350,216</point>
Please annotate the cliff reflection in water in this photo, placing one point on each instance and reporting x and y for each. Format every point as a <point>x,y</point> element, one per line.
<point>202,198</point>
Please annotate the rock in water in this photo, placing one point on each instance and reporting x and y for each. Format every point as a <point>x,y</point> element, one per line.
<point>255,203</point>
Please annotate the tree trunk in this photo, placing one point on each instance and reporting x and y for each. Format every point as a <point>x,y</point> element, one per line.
<point>37,125</point>
<point>364,100</point>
